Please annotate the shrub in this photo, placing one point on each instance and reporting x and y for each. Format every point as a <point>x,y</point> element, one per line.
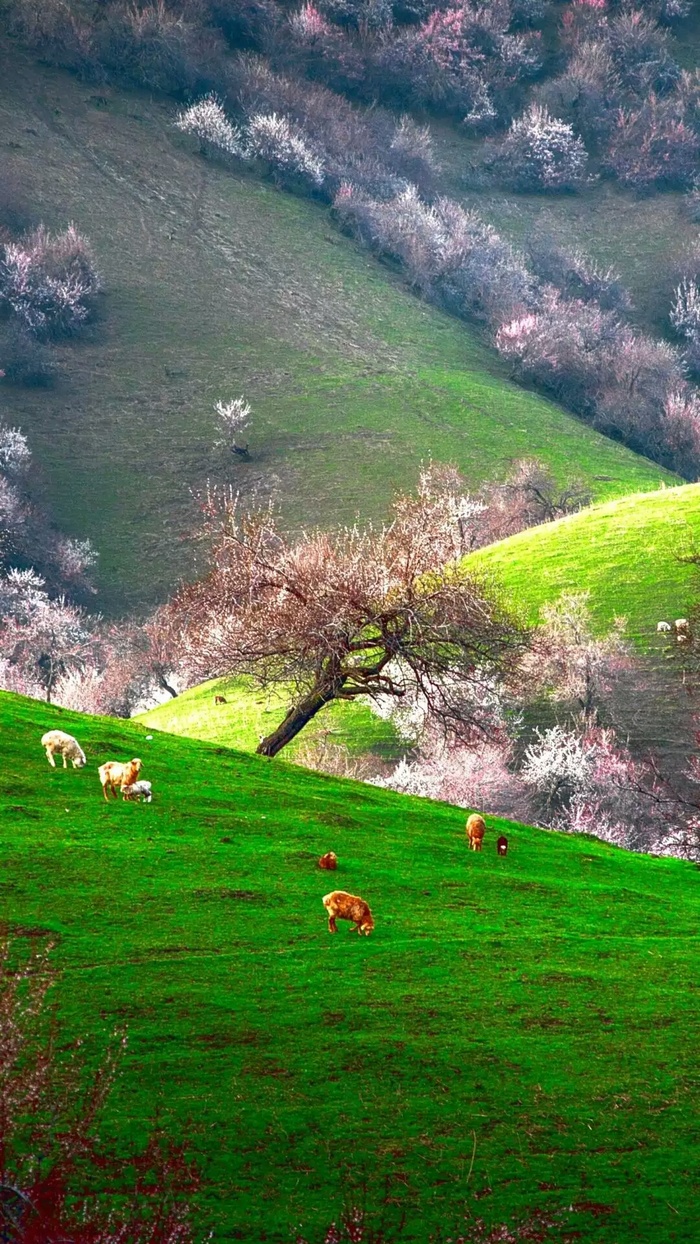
<point>640,53</point>
<point>287,153</point>
<point>155,47</point>
<point>588,92</point>
<point>49,281</point>
<point>24,360</point>
<point>541,152</point>
<point>575,274</point>
<point>685,311</point>
<point>207,121</point>
<point>56,34</point>
<point>15,454</point>
<point>653,146</point>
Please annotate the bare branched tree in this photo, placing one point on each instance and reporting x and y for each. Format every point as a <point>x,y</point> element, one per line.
<point>385,611</point>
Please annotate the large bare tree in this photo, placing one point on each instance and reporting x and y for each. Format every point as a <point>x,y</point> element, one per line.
<point>373,611</point>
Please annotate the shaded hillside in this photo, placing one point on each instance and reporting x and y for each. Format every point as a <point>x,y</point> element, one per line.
<point>219,285</point>
<point>516,1032</point>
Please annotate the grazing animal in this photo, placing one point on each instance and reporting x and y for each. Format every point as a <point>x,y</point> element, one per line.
<point>502,845</point>
<point>113,774</point>
<point>137,791</point>
<point>329,860</point>
<point>664,627</point>
<point>342,906</point>
<point>220,699</point>
<point>476,828</point>
<point>58,742</point>
<point>682,628</point>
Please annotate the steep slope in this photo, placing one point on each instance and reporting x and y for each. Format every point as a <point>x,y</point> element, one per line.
<point>625,553</point>
<point>518,1031</point>
<point>219,285</point>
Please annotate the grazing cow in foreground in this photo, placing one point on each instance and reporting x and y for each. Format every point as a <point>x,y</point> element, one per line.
<point>138,791</point>
<point>342,906</point>
<point>502,845</point>
<point>113,774</point>
<point>220,699</point>
<point>329,860</point>
<point>57,742</point>
<point>476,828</point>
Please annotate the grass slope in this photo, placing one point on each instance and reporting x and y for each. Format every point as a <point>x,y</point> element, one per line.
<point>517,1031</point>
<point>248,713</point>
<point>623,553</point>
<point>219,285</point>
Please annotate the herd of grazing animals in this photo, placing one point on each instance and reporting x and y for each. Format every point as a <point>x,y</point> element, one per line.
<point>115,774</point>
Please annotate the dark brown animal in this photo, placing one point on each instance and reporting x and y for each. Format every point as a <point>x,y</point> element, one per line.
<point>220,699</point>
<point>476,828</point>
<point>113,775</point>
<point>342,906</point>
<point>502,845</point>
<point>329,860</point>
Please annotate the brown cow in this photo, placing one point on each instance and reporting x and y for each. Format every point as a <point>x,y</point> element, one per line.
<point>342,906</point>
<point>220,699</point>
<point>329,860</point>
<point>476,828</point>
<point>113,774</point>
<point>502,845</point>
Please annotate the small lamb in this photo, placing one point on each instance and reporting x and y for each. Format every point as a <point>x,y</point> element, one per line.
<point>137,791</point>
<point>663,627</point>
<point>57,742</point>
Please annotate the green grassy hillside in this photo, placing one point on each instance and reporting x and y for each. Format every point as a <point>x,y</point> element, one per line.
<point>219,285</point>
<point>623,552</point>
<point>518,1031</point>
<point>248,713</point>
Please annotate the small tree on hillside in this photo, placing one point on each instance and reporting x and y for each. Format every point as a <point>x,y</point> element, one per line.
<point>385,611</point>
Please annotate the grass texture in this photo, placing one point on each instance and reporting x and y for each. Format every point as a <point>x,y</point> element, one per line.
<point>625,553</point>
<point>518,1031</point>
<point>219,285</point>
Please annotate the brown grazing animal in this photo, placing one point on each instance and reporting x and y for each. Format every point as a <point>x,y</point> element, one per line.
<point>113,774</point>
<point>329,860</point>
<point>342,906</point>
<point>502,845</point>
<point>220,699</point>
<point>58,743</point>
<point>476,828</point>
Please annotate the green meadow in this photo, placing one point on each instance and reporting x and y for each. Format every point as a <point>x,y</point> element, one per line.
<point>517,1032</point>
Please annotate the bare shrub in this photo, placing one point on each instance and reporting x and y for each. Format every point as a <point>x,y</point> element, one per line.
<point>24,360</point>
<point>652,146</point>
<point>156,47</point>
<point>639,49</point>
<point>57,34</point>
<point>528,496</point>
<point>574,273</point>
<point>541,152</point>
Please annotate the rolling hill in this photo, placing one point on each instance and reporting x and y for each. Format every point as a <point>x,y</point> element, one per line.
<point>217,285</point>
<point>517,1032</point>
<point>625,553</point>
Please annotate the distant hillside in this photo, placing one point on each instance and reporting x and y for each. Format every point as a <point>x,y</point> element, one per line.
<point>249,713</point>
<point>624,553</point>
<point>517,1032</point>
<point>219,285</point>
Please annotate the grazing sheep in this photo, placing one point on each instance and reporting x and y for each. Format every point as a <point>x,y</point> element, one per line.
<point>57,741</point>
<point>342,906</point>
<point>476,828</point>
<point>137,791</point>
<point>113,774</point>
<point>220,699</point>
<point>329,860</point>
<point>663,627</point>
<point>502,845</point>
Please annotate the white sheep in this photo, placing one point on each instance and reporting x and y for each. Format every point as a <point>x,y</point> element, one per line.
<point>664,627</point>
<point>58,742</point>
<point>137,790</point>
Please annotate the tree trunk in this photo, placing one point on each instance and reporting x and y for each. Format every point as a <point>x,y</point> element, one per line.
<point>163,682</point>
<point>297,717</point>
